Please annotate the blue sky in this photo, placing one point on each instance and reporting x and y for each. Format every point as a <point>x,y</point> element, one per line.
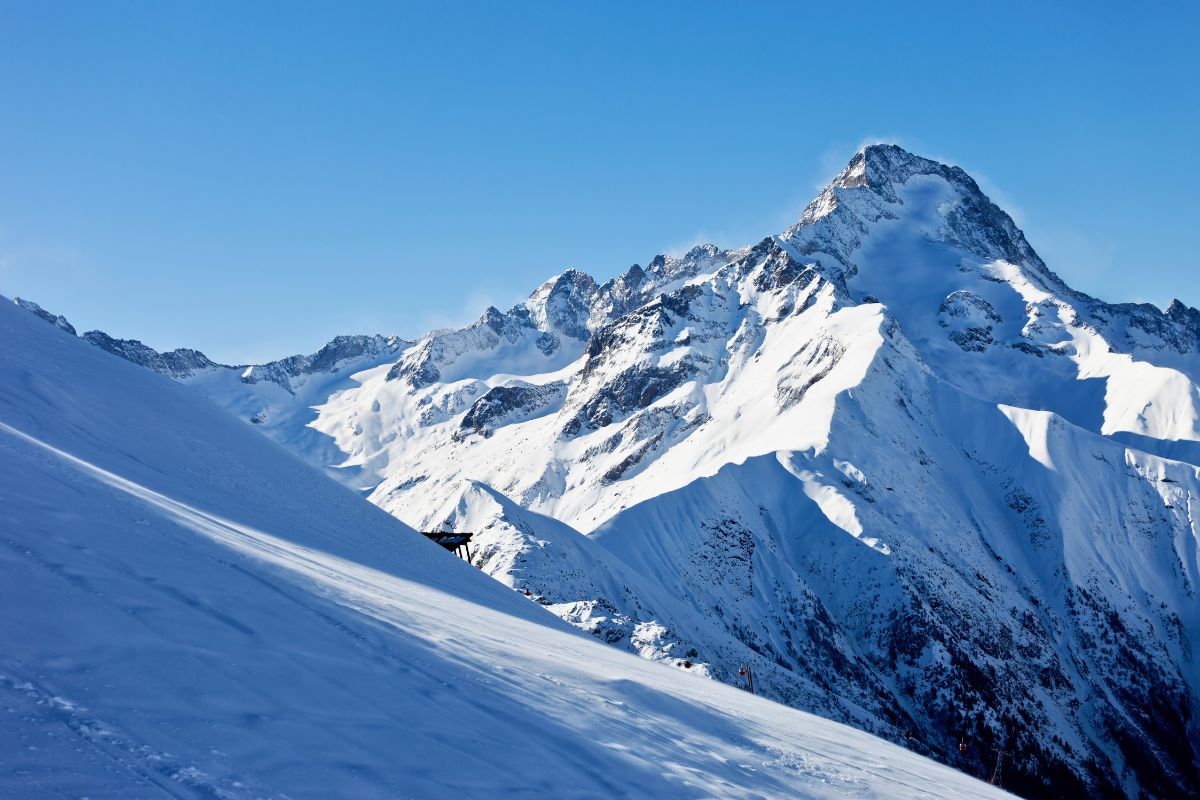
<point>253,178</point>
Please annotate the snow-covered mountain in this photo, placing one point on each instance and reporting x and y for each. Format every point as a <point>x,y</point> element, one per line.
<point>887,458</point>
<point>278,396</point>
<point>191,612</point>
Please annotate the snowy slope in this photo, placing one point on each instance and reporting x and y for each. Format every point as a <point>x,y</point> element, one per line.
<point>744,353</point>
<point>277,397</point>
<point>191,612</point>
<point>589,586</point>
<point>836,445</point>
<point>886,456</point>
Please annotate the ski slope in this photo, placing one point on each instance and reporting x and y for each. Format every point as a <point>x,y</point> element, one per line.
<point>189,611</point>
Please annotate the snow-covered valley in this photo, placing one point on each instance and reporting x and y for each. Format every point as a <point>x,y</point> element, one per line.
<point>886,458</point>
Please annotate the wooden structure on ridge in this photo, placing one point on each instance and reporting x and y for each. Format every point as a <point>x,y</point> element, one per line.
<point>457,543</point>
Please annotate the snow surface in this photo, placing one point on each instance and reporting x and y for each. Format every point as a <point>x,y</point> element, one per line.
<point>189,611</point>
<point>886,457</point>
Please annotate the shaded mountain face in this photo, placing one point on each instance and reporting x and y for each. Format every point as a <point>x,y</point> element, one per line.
<point>887,458</point>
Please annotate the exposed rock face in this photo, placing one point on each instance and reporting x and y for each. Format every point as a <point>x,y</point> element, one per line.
<point>57,320</point>
<point>181,363</point>
<point>503,405</point>
<point>330,358</point>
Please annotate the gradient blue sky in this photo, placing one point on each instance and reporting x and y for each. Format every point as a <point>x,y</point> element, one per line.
<point>253,178</point>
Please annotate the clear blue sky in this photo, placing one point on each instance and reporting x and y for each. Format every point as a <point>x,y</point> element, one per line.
<point>253,178</point>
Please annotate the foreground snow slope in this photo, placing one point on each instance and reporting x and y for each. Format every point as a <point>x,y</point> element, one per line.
<point>190,612</point>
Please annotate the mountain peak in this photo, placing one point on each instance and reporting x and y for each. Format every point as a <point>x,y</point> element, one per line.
<point>869,190</point>
<point>883,166</point>
<point>865,167</point>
